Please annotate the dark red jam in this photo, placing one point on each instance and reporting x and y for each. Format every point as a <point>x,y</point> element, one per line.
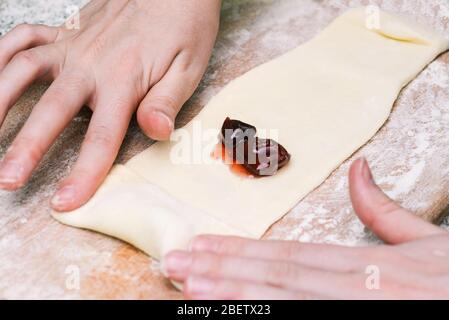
<point>258,157</point>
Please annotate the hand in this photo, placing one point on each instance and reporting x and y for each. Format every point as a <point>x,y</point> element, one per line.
<point>128,55</point>
<point>414,266</point>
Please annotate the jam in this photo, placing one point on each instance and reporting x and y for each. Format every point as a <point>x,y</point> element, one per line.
<point>220,153</point>
<point>246,152</point>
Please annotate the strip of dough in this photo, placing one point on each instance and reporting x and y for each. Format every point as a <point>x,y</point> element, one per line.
<point>327,98</point>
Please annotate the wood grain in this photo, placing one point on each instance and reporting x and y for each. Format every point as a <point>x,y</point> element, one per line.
<point>409,156</point>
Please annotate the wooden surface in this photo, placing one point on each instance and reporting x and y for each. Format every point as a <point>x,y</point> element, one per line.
<point>409,156</point>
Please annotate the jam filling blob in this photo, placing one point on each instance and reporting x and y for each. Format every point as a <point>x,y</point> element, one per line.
<point>259,157</point>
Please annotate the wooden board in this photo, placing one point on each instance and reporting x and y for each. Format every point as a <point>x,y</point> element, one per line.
<point>410,158</point>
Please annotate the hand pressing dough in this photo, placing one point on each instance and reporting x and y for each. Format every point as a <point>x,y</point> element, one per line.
<point>326,98</point>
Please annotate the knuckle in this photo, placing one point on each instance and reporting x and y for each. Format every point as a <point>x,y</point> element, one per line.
<point>278,273</point>
<point>289,250</point>
<point>33,151</point>
<point>162,102</point>
<point>75,80</point>
<point>387,206</point>
<point>59,33</point>
<point>190,68</point>
<point>79,173</point>
<point>199,263</point>
<point>208,264</point>
<point>54,98</point>
<point>383,255</point>
<point>29,57</point>
<point>100,136</point>
<point>126,63</point>
<point>194,35</point>
<point>224,246</point>
<point>381,212</point>
<point>70,82</point>
<point>97,47</point>
<point>26,30</point>
<point>217,266</point>
<point>118,105</point>
<point>374,220</point>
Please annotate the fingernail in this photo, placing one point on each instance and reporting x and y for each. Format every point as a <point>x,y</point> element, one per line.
<point>366,172</point>
<point>63,197</point>
<point>164,117</point>
<point>200,286</point>
<point>10,172</point>
<point>176,262</point>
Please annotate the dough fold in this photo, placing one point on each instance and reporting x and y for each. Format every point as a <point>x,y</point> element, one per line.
<point>324,99</point>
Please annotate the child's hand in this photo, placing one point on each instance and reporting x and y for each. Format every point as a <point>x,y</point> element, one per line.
<point>128,55</point>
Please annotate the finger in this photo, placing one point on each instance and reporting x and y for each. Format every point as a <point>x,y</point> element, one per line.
<point>180,265</point>
<point>157,112</point>
<point>26,67</point>
<point>322,256</point>
<point>314,287</point>
<point>99,150</point>
<point>49,117</point>
<point>318,256</point>
<point>22,37</point>
<point>204,288</point>
<point>383,216</point>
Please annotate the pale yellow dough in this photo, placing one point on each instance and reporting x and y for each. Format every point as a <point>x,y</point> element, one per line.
<point>327,98</point>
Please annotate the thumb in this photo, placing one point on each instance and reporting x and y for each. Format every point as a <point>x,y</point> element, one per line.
<point>383,216</point>
<point>157,112</point>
